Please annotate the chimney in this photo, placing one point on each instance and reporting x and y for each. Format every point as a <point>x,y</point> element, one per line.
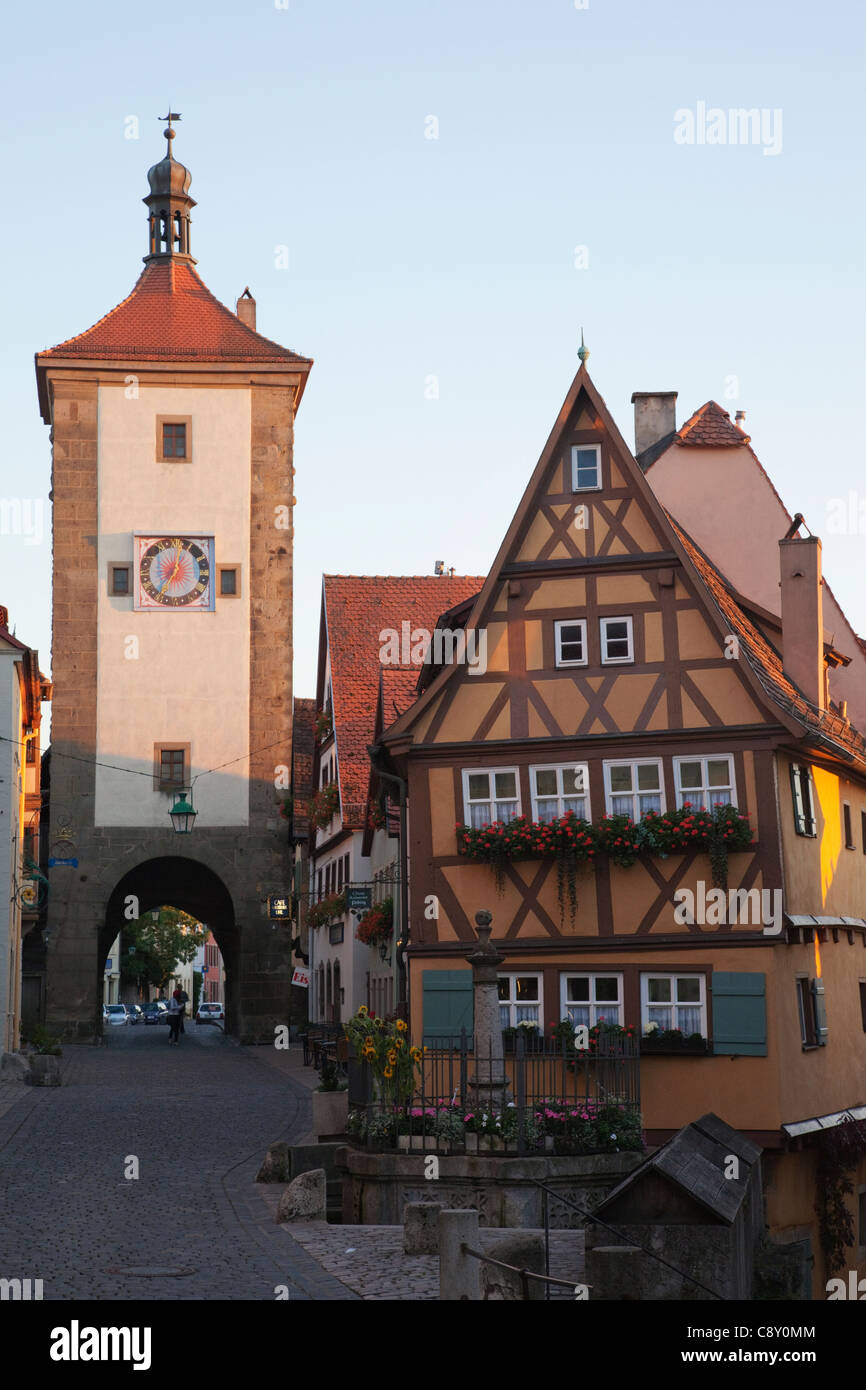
<point>4,617</point>
<point>802,617</point>
<point>655,417</point>
<point>247,309</point>
<point>740,420</point>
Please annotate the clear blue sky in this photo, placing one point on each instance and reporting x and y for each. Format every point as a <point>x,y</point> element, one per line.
<point>411,257</point>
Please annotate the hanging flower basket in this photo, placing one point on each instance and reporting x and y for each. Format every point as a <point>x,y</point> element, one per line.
<point>377,924</point>
<point>324,805</point>
<point>321,913</point>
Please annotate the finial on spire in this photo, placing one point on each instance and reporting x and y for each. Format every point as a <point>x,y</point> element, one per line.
<point>582,351</point>
<point>168,132</point>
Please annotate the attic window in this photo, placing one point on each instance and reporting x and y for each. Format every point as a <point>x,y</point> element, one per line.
<point>585,467</point>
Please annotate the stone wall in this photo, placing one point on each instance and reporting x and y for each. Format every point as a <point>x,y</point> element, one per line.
<point>377,1186</point>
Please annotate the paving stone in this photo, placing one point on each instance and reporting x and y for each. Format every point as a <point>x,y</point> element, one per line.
<point>197,1119</point>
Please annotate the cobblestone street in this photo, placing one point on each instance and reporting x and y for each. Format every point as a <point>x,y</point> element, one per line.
<point>193,1225</point>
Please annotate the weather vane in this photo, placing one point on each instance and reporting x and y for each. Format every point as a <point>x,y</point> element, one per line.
<point>582,352</point>
<point>168,132</point>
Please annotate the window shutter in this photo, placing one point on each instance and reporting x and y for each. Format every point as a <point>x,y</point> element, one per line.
<point>448,1007</point>
<point>739,1013</point>
<point>820,1012</point>
<point>797,792</point>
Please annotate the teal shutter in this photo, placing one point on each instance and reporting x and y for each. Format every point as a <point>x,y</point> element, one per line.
<point>448,1007</point>
<point>820,1012</point>
<point>739,1013</point>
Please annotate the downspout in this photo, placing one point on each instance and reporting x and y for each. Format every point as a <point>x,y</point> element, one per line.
<point>403,940</point>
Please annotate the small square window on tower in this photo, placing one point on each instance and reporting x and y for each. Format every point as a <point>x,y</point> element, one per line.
<point>119,580</point>
<point>171,766</point>
<point>229,581</point>
<point>174,438</point>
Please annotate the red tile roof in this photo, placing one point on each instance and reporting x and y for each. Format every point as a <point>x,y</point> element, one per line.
<point>169,314</point>
<point>819,726</point>
<point>711,428</point>
<point>358,609</point>
<point>303,750</point>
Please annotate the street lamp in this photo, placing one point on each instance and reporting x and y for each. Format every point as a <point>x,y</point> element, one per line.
<point>183,814</point>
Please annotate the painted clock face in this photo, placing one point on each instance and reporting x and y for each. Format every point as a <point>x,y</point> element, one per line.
<point>174,572</point>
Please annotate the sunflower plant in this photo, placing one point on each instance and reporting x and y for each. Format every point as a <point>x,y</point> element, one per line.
<point>384,1045</point>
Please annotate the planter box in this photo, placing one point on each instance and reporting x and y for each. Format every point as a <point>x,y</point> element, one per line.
<point>417,1143</point>
<point>44,1069</point>
<point>330,1112</point>
<point>471,1141</point>
<point>649,1048</point>
<point>490,1144</point>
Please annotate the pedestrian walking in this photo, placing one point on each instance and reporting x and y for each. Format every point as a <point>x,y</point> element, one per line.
<point>184,1000</point>
<point>175,1018</point>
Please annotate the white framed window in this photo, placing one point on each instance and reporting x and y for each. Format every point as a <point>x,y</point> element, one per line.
<point>571,642</point>
<point>490,794</point>
<point>590,999</point>
<point>520,1000</point>
<point>556,790</point>
<point>705,782</point>
<point>617,640</point>
<point>634,788</point>
<point>673,1001</point>
<point>585,467</point>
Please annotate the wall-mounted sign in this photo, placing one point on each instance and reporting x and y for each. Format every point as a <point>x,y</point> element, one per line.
<point>279,907</point>
<point>63,863</point>
<point>29,894</point>
<point>358,899</point>
<point>301,977</point>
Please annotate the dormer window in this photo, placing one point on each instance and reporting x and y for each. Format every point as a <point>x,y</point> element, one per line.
<point>585,467</point>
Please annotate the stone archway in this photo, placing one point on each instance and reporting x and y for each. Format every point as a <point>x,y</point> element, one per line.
<point>195,888</point>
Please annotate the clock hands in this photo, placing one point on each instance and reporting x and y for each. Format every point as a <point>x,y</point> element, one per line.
<point>173,574</point>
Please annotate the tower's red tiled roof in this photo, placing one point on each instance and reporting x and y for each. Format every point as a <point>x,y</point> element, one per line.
<point>358,608</point>
<point>711,428</point>
<point>170,314</point>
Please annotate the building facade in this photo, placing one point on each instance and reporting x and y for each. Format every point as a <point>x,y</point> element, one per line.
<point>172,474</point>
<point>628,689</point>
<point>22,886</point>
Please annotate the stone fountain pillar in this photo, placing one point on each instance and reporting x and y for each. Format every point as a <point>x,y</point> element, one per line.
<point>489,1083</point>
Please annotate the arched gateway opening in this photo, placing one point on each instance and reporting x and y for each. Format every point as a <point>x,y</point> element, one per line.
<point>191,886</point>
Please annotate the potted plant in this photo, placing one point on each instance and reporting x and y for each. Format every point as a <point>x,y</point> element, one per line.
<point>43,1058</point>
<point>321,913</point>
<point>330,1102</point>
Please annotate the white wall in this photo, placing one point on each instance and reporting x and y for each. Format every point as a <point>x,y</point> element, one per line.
<point>189,682</point>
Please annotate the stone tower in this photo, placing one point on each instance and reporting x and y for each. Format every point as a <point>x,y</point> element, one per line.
<point>171,423</point>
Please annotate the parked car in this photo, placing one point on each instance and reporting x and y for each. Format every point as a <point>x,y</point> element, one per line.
<point>154,1012</point>
<point>135,1013</point>
<point>210,1013</point>
<point>115,1015</point>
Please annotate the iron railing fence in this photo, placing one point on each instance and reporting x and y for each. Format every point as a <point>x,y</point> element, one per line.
<point>546,1098</point>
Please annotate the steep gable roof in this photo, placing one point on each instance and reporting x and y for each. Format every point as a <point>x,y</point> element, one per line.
<point>766,662</point>
<point>357,610</point>
<point>762,669</point>
<point>710,428</point>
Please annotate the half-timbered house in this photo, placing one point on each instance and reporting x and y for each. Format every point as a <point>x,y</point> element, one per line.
<point>625,682</point>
